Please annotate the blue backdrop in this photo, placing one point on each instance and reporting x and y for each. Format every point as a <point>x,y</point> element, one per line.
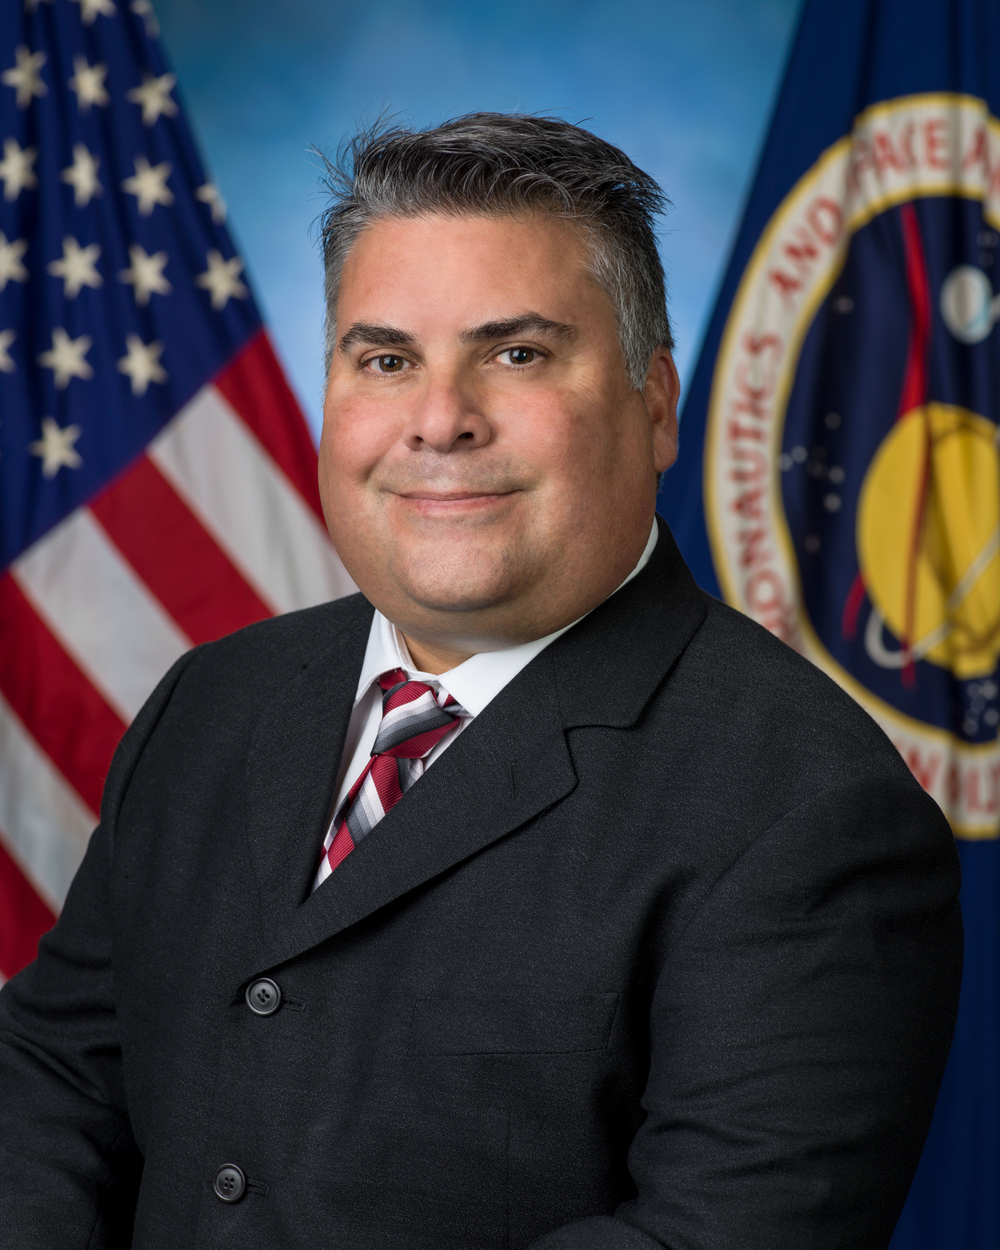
<point>685,89</point>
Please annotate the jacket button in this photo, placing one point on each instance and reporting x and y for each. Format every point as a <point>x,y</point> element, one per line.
<point>229,1183</point>
<point>263,997</point>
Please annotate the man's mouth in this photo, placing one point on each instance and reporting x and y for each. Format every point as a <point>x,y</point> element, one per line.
<point>443,503</point>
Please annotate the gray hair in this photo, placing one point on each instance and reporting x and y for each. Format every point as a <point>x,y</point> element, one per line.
<point>500,164</point>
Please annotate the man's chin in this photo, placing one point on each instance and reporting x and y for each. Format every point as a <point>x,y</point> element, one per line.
<point>473,584</point>
<point>457,598</point>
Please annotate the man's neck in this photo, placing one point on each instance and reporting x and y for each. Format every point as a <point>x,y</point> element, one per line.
<point>432,658</point>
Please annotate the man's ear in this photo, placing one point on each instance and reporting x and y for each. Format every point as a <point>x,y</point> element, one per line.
<point>661,394</point>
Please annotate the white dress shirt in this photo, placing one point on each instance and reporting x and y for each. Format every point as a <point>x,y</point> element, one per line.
<point>473,683</point>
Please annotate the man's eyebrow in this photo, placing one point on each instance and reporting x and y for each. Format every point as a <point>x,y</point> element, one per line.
<point>375,336</point>
<point>528,323</point>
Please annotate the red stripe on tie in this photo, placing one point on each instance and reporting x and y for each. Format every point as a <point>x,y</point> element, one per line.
<point>64,712</point>
<point>254,386</point>
<point>23,917</point>
<point>409,693</point>
<point>340,847</point>
<point>177,558</point>
<point>385,774</point>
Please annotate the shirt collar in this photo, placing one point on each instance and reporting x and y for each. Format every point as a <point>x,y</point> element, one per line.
<point>481,677</point>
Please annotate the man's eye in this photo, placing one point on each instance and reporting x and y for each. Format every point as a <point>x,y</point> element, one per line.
<point>519,355</point>
<point>386,364</point>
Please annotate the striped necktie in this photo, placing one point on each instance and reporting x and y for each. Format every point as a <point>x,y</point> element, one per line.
<point>413,723</point>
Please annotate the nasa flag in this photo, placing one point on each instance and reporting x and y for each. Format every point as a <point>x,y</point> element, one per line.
<point>839,478</point>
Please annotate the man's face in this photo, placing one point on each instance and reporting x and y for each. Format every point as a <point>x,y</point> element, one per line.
<point>487,473</point>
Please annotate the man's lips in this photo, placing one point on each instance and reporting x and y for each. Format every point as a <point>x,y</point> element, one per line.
<point>452,502</point>
<point>448,496</point>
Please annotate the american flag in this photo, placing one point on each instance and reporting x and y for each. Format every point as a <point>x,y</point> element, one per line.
<point>157,480</point>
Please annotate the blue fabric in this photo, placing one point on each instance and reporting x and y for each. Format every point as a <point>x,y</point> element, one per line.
<point>115,424</point>
<point>850,54</point>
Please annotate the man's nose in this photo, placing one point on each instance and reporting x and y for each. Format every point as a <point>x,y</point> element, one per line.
<point>449,416</point>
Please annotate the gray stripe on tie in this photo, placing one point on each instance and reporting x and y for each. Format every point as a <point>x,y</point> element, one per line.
<point>411,727</point>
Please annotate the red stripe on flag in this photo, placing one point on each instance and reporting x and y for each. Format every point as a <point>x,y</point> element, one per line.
<point>176,557</point>
<point>23,917</point>
<point>254,386</point>
<point>67,716</point>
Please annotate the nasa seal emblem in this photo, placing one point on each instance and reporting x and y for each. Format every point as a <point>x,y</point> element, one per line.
<point>852,470</point>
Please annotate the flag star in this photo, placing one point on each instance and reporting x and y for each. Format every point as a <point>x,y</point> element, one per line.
<point>154,96</point>
<point>90,9</point>
<point>88,83</point>
<point>145,11</point>
<point>142,364</point>
<point>149,185</point>
<point>56,447</point>
<point>221,279</point>
<point>66,357</point>
<point>145,274</point>
<point>15,168</point>
<point>24,77</point>
<point>31,5</point>
<point>77,267</point>
<point>82,176</point>
<point>10,260</point>
<point>209,194</point>
<point>6,359</point>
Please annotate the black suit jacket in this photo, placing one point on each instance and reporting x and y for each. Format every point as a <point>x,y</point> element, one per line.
<point>664,951</point>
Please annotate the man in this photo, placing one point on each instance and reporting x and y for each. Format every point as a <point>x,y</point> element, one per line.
<point>533,899</point>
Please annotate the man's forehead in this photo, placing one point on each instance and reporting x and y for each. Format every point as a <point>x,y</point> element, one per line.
<point>481,276</point>
<point>536,241</point>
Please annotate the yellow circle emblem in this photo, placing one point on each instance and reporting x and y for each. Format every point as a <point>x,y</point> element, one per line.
<point>928,537</point>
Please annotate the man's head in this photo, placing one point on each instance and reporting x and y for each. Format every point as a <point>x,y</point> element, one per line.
<point>500,389</point>
<point>500,164</point>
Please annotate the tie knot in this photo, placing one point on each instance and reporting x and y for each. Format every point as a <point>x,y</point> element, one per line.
<point>413,721</point>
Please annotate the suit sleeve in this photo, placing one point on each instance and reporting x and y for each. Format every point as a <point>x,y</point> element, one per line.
<point>68,1162</point>
<point>799,1030</point>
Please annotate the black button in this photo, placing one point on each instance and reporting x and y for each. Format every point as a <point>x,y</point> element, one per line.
<point>263,997</point>
<point>229,1183</point>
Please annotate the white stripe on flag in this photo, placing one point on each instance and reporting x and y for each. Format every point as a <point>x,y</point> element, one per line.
<point>101,612</point>
<point>46,826</point>
<point>248,505</point>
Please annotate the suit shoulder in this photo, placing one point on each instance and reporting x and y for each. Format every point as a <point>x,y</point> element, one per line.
<point>769,695</point>
<point>263,656</point>
<point>292,638</point>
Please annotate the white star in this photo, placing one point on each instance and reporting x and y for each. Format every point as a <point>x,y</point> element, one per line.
<point>15,168</point>
<point>209,194</point>
<point>221,279</point>
<point>56,447</point>
<point>82,176</point>
<point>66,357</point>
<point>6,359</point>
<point>149,185</point>
<point>145,274</point>
<point>145,11</point>
<point>89,10</point>
<point>25,76</point>
<point>154,96</point>
<point>10,260</point>
<point>88,83</point>
<point>77,267</point>
<point>31,5</point>
<point>142,364</point>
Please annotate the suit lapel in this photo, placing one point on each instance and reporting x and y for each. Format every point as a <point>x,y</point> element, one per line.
<point>509,765</point>
<point>608,666</point>
<point>292,769</point>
